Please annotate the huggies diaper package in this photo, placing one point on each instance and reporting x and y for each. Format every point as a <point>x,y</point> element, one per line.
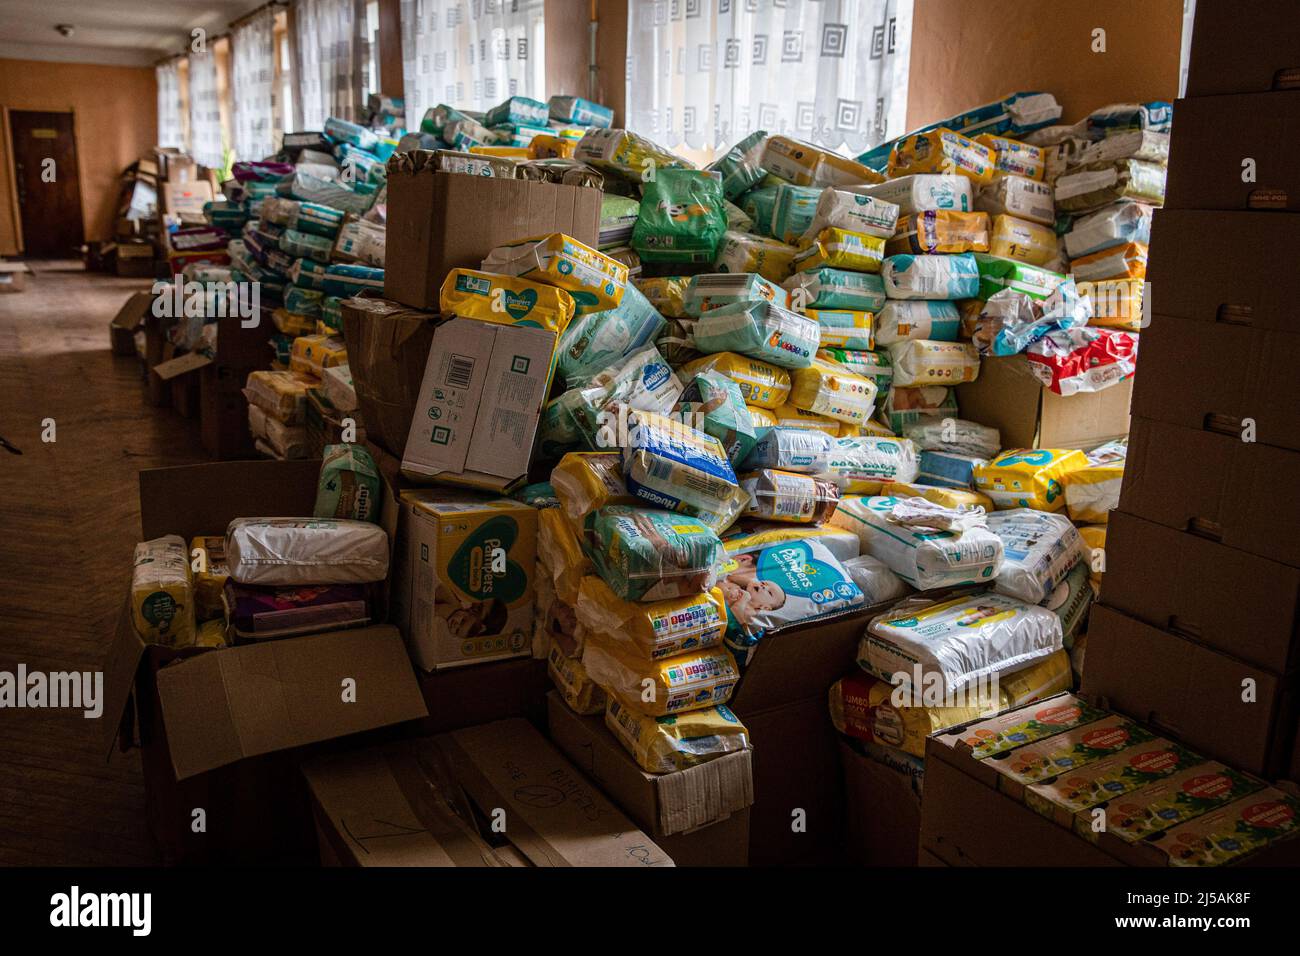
<point>646,554</point>
<point>1128,261</point>
<point>686,682</point>
<point>162,592</point>
<point>861,465</point>
<point>1014,158</point>
<point>940,231</point>
<point>899,321</point>
<point>825,388</point>
<point>948,469</point>
<point>594,341</point>
<point>595,281</point>
<point>919,362</point>
<point>775,585</point>
<point>505,300</point>
<point>793,211</point>
<point>673,466</point>
<point>923,191</point>
<point>803,450</point>
<point>1029,477</point>
<point>852,212</point>
<point>1114,225</point>
<point>295,551</point>
<point>1017,196</point>
<point>764,385</point>
<point>930,277</point>
<point>1038,548</point>
<point>788,496</point>
<point>843,328</point>
<point>923,558</point>
<point>714,404</point>
<point>716,289</point>
<point>828,288</point>
<point>870,365</point>
<point>677,741</point>
<point>959,642</point>
<point>942,151</point>
<point>743,252</point>
<point>1022,240</point>
<point>1092,492</point>
<point>841,249</point>
<point>955,435</point>
<point>806,165</point>
<point>1090,187</point>
<point>760,330</point>
<point>652,630</point>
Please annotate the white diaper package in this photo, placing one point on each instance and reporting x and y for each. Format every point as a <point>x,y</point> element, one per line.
<point>805,450</point>
<point>296,551</point>
<point>878,583</point>
<point>1039,548</point>
<point>910,276</point>
<point>924,559</point>
<point>958,642</point>
<point>899,321</point>
<point>860,465</point>
<point>852,211</point>
<point>919,362</point>
<point>955,435</point>
<point>1018,196</point>
<point>922,192</point>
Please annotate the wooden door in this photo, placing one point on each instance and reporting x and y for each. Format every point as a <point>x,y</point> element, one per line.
<point>45,171</point>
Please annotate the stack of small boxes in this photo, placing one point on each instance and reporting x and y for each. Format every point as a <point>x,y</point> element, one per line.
<point>1196,631</point>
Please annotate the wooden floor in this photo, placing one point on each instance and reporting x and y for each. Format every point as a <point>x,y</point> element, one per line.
<point>69,519</point>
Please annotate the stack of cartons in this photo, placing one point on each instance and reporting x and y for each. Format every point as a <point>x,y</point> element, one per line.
<point>1201,596</point>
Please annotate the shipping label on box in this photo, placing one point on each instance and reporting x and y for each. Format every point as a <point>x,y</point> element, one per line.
<point>470,573</point>
<point>479,404</point>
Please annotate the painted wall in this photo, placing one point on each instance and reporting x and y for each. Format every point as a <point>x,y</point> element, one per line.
<point>116,122</point>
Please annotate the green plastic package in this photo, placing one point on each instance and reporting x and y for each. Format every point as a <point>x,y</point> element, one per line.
<point>682,217</point>
<point>714,404</point>
<point>646,554</point>
<point>739,165</point>
<point>348,486</point>
<point>595,341</point>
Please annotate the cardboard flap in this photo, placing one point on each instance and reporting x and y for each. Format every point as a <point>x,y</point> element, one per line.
<point>244,701</point>
<point>169,503</point>
<point>119,677</point>
<point>133,311</point>
<point>800,662</point>
<point>181,365</point>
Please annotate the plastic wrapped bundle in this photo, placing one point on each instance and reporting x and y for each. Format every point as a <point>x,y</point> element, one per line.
<point>690,681</point>
<point>162,592</point>
<point>673,466</point>
<point>599,340</point>
<point>930,277</point>
<point>864,465</point>
<point>594,280</point>
<point>787,496</point>
<point>761,330</point>
<point>654,630</point>
<point>828,288</point>
<point>1038,549</point>
<point>295,551</point>
<point>665,744</point>
<point>741,165</point>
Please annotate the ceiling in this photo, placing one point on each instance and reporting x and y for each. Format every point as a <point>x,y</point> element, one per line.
<point>115,32</point>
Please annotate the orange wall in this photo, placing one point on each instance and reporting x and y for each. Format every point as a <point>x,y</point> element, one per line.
<point>116,122</point>
<point>966,53</point>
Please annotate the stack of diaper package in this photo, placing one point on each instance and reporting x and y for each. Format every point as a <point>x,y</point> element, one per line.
<point>269,578</point>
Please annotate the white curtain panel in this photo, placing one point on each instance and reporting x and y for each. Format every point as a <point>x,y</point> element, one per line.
<point>252,51</point>
<point>170,130</point>
<point>471,54</point>
<point>327,46</point>
<point>702,74</point>
<point>205,111</point>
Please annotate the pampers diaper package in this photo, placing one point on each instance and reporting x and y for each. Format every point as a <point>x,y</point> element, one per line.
<point>788,496</point>
<point>930,277</point>
<point>825,388</point>
<point>923,558</point>
<point>595,281</point>
<point>861,465</point>
<point>673,466</point>
<point>828,288</point>
<point>871,365</point>
<point>1092,492</point>
<point>1022,240</point>
<point>760,330</point>
<point>808,165</point>
<point>768,586</point>
<point>1038,549</point>
<point>645,554</point>
<point>586,481</point>
<point>677,741</point>
<point>958,643</point>
<point>505,300</point>
<point>1029,477</point>
<point>793,211</point>
<point>162,592</point>
<point>682,216</point>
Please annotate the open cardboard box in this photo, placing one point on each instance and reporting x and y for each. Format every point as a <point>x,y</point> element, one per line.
<point>420,803</point>
<point>882,807</point>
<point>129,318</point>
<point>699,815</point>
<point>204,717</point>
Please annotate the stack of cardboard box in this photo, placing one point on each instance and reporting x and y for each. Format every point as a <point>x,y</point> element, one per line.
<point>1196,634</point>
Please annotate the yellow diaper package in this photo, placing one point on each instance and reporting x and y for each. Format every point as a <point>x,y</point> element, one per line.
<point>920,362</point>
<point>212,633</point>
<point>940,231</point>
<point>595,281</point>
<point>1022,240</point>
<point>1128,261</point>
<point>281,394</point>
<point>162,592</point>
<point>292,323</point>
<point>806,165</point>
<point>1116,303</point>
<point>505,300</point>
<point>312,354</point>
<point>948,497</point>
<point>942,151</point>
<point>674,684</point>
<point>845,328</point>
<point>580,692</point>
<point>788,416</point>
<point>585,481</point>
<point>667,294</point>
<point>560,555</point>
<point>1029,477</point>
<point>762,384</point>
<point>742,252</point>
<point>543,146</point>
<point>840,249</point>
<point>1094,536</point>
<point>761,417</point>
<point>828,389</point>
<point>208,565</point>
<point>1014,157</point>
<point>656,629</point>
<point>665,744</point>
<point>1092,492</point>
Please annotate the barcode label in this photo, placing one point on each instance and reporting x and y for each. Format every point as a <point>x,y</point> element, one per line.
<point>460,371</point>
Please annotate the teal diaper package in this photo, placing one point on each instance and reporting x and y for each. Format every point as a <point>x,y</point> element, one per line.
<point>828,288</point>
<point>760,330</point>
<point>596,341</point>
<point>647,554</point>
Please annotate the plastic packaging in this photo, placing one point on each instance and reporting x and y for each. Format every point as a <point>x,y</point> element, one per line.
<point>940,231</point>
<point>862,465</point>
<point>843,328</point>
<point>825,388</point>
<point>678,741</point>
<point>919,362</point>
<point>652,630</point>
<point>1029,478</point>
<point>802,450</point>
<point>840,543</point>
<point>682,217</point>
<point>673,466</point>
<point>947,497</point>
<point>878,583</point>
<point>851,212</point>
<point>781,584</point>
<point>281,394</point>
<point>828,288</point>
<point>997,273</point>
<point>930,277</point>
<point>1114,225</point>
<point>742,252</point>
<point>741,166</point>
<point>623,152</point>
<point>1128,261</point>
<point>793,211</point>
<point>1013,157</point>
<point>764,385</point>
<point>642,382</point>
<point>505,300</point>
<point>948,469</point>
<point>760,330</point>
<point>936,320</point>
<point>942,151</point>
<point>1038,549</point>
<point>667,294</point>
<point>924,191</point>
<point>685,682</point>
<point>905,406</point>
<point>713,290</point>
<point>808,165</point>
<point>646,554</point>
<point>1074,360</point>
<point>594,280</point>
<point>162,592</point>
<point>787,496</point>
<point>1092,492</point>
<point>1022,240</point>
<point>1090,187</point>
<point>1017,196</point>
<point>955,435</point>
<point>312,354</point>
<point>298,551</point>
<point>714,404</point>
<point>841,249</point>
<point>791,416</point>
<point>597,340</point>
<point>348,486</point>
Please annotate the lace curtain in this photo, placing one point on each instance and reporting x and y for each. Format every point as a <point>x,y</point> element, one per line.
<point>171,132</point>
<point>471,54</point>
<point>205,111</point>
<point>252,50</point>
<point>702,74</point>
<point>327,50</point>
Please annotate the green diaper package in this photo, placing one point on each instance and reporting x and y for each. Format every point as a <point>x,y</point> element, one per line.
<point>682,217</point>
<point>348,486</point>
<point>304,245</point>
<point>714,404</point>
<point>759,330</point>
<point>595,341</point>
<point>647,554</point>
<point>793,211</point>
<point>739,165</point>
<point>828,288</point>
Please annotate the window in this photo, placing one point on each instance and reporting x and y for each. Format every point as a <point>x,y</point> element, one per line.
<point>370,51</point>
<point>284,101</point>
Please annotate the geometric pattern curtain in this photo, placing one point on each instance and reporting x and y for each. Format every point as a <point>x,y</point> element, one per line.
<point>252,50</point>
<point>471,55</point>
<point>327,50</point>
<point>170,130</point>
<point>702,74</point>
<point>205,111</point>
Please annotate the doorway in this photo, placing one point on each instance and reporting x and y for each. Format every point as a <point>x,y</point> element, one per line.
<point>47,182</point>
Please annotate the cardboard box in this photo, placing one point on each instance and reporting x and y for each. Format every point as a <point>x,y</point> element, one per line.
<point>130,317</point>
<point>392,807</point>
<point>223,414</point>
<point>1243,48</point>
<point>464,696</point>
<point>185,198</point>
<point>443,221</point>
<point>1006,396</point>
<point>1244,288</point>
<point>1250,369</point>
<point>1258,621</point>
<point>699,816</point>
<point>1220,487</point>
<point>882,810</point>
<point>388,349</point>
<point>13,277</point>
<point>457,606</point>
<point>135,260</point>
<point>479,404</point>
<point>223,730</point>
<point>1205,163</point>
<point>1191,692</point>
